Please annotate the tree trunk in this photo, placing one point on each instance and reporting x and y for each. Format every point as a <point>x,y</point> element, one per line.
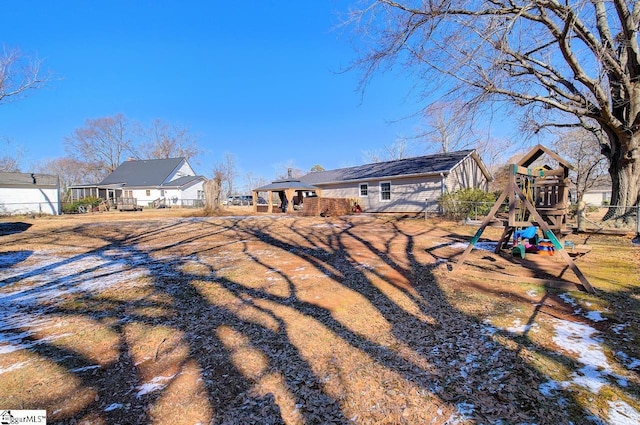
<point>624,169</point>
<point>212,189</point>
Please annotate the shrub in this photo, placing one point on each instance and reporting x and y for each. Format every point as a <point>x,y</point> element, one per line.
<point>81,205</point>
<point>467,203</point>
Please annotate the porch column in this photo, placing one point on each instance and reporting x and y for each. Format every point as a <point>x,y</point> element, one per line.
<point>289,195</point>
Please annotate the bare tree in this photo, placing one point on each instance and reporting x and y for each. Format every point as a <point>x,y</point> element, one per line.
<point>162,140</point>
<point>252,181</point>
<point>19,74</point>
<point>581,149</point>
<point>493,150</point>
<point>104,141</point>
<point>70,171</point>
<point>557,63</point>
<point>10,160</point>
<point>449,127</point>
<point>397,150</point>
<point>228,173</point>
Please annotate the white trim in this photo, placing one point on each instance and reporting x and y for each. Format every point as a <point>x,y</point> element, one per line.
<point>380,196</point>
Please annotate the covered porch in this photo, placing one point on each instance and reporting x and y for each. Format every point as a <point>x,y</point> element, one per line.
<point>290,192</point>
<point>110,193</point>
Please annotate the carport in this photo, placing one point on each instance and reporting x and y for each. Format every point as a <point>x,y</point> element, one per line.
<point>290,191</point>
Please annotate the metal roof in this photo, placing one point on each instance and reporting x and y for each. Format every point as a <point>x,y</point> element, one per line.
<point>286,184</point>
<point>148,172</point>
<point>420,165</point>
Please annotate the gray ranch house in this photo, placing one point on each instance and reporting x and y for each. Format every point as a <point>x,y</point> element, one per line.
<point>148,183</point>
<point>404,185</point>
<point>29,193</point>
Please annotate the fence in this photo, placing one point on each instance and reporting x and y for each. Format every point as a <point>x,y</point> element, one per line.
<point>75,208</point>
<point>590,221</point>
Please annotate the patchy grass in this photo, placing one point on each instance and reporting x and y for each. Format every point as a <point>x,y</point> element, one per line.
<point>159,318</point>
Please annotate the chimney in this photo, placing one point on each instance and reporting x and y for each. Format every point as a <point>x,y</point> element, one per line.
<point>289,173</point>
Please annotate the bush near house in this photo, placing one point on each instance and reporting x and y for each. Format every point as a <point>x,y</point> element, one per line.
<point>81,205</point>
<point>467,202</point>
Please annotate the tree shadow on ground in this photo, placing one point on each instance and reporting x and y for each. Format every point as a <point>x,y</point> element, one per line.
<point>244,342</point>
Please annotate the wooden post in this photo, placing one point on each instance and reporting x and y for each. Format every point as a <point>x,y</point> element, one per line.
<point>483,226</point>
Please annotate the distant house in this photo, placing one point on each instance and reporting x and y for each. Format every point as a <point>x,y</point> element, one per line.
<point>151,182</point>
<point>599,194</point>
<point>29,193</point>
<point>405,185</point>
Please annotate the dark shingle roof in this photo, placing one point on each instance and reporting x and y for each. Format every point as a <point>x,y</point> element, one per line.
<point>420,165</point>
<point>28,180</point>
<point>148,172</point>
<point>286,184</point>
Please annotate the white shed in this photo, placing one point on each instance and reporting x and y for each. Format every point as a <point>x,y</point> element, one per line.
<point>29,193</point>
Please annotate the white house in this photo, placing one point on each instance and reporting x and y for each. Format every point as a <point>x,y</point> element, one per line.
<point>599,194</point>
<point>151,182</point>
<point>404,185</point>
<point>29,193</point>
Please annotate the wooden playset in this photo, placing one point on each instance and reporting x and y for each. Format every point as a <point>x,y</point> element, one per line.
<point>538,197</point>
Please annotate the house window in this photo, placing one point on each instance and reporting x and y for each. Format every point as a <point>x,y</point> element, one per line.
<point>161,192</point>
<point>385,191</point>
<point>148,192</point>
<point>128,193</point>
<point>201,194</point>
<point>364,189</point>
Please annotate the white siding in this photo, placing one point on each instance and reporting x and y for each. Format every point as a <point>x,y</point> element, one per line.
<point>182,171</point>
<point>597,197</point>
<point>191,192</point>
<point>466,174</point>
<point>31,200</point>
<point>173,196</point>
<point>407,195</point>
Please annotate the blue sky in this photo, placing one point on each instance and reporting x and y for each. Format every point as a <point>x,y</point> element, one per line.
<point>258,79</point>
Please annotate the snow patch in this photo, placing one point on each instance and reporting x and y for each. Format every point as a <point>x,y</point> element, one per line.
<point>85,368</point>
<point>518,328</point>
<point>594,316</point>
<point>620,413</point>
<point>582,340</point>
<point>157,384</point>
<point>485,246</point>
<point>113,406</point>
<point>462,414</point>
<point>12,367</point>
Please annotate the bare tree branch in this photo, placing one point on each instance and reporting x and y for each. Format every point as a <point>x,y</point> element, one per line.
<point>19,74</point>
<point>162,140</point>
<point>557,63</point>
<point>103,141</point>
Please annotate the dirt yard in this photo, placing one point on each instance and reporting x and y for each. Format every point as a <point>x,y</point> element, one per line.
<point>164,318</point>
